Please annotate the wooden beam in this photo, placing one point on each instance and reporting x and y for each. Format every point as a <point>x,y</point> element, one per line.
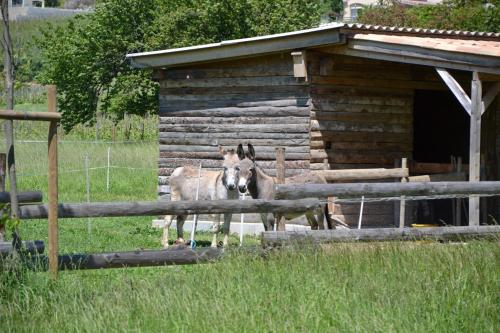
<point>114,209</point>
<point>172,256</point>
<point>475,145</point>
<point>375,190</point>
<point>31,115</point>
<point>52,182</point>
<point>363,174</point>
<point>273,238</point>
<point>455,88</point>
<point>490,95</point>
<point>280,179</point>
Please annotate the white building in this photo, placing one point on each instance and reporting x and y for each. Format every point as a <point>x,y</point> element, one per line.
<point>353,8</point>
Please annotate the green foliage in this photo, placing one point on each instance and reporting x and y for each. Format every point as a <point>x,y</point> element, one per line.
<point>471,15</point>
<point>86,57</point>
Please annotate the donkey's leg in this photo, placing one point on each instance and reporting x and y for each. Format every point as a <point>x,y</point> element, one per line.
<point>166,226</point>
<point>180,227</point>
<point>226,228</point>
<point>215,229</point>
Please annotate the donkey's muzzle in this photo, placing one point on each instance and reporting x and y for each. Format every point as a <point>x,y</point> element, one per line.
<point>231,187</point>
<point>242,188</point>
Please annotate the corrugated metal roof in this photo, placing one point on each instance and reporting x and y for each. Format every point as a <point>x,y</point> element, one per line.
<point>423,31</point>
<point>477,47</point>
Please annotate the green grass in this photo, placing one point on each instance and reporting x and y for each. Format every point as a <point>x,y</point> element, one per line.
<point>391,287</point>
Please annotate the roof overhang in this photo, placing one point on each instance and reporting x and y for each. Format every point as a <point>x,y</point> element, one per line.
<point>239,48</point>
<point>462,54</point>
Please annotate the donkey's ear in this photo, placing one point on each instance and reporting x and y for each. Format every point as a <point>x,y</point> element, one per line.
<point>240,152</point>
<point>251,152</point>
<point>222,151</point>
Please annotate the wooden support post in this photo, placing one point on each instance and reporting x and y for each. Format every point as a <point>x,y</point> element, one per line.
<point>475,145</point>
<point>458,204</point>
<point>52,156</point>
<point>280,177</point>
<point>402,201</point>
<point>2,188</point>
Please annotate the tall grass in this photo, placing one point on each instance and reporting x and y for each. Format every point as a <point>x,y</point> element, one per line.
<point>351,288</point>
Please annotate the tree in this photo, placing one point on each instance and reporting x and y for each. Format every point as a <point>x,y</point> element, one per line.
<point>86,57</point>
<point>472,15</point>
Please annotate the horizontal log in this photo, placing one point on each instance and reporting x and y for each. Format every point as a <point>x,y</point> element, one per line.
<point>354,92</point>
<point>362,174</point>
<point>347,136</point>
<point>174,256</point>
<point>32,247</point>
<point>232,82</point>
<point>243,135</point>
<point>231,112</point>
<point>30,115</point>
<point>214,155</point>
<point>373,157</point>
<point>248,71</point>
<point>264,90</point>
<point>166,139</point>
<point>22,197</point>
<point>206,163</point>
<point>375,190</point>
<point>271,238</point>
<point>362,117</point>
<point>207,148</point>
<point>332,106</point>
<point>229,122</point>
<point>164,172</point>
<point>225,128</point>
<point>115,209</point>
<point>322,125</point>
<point>220,101</point>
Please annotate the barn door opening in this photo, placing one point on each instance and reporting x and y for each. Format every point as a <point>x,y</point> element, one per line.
<point>441,130</point>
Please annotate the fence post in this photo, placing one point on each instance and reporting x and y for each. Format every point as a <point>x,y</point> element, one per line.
<point>107,171</point>
<point>280,177</point>
<point>402,202</point>
<point>53,228</point>
<point>2,188</point>
<point>87,186</point>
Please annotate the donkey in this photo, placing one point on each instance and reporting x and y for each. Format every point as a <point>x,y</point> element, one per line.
<point>214,185</point>
<point>261,186</point>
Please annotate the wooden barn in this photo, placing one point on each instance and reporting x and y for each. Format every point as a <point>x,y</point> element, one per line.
<point>341,96</point>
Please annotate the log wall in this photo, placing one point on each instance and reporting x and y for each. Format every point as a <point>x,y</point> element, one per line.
<point>256,100</point>
<point>361,117</point>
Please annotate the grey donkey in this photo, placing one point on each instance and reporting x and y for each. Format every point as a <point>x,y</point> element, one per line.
<point>214,185</point>
<point>261,186</point>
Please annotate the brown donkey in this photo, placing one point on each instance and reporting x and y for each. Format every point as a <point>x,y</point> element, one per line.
<point>261,186</point>
<point>214,185</point>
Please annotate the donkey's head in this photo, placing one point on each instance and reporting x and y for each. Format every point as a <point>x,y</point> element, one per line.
<point>231,168</point>
<point>247,172</point>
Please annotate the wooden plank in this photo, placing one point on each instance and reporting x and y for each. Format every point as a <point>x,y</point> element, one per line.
<point>30,115</point>
<point>269,171</point>
<point>3,167</point>
<point>280,179</point>
<point>370,145</point>
<point>272,238</point>
<point>363,174</point>
<point>224,128</point>
<point>206,163</point>
<point>175,105</point>
<point>116,209</point>
<point>301,91</point>
<point>254,111</point>
<point>177,256</point>
<point>282,68</point>
<point>380,157</point>
<point>323,125</point>
<point>290,191</point>
<point>373,93</point>
<point>214,155</point>
<point>332,106</point>
<point>242,101</point>
<point>343,166</point>
<point>215,149</point>
<point>455,88</point>
<point>475,145</point>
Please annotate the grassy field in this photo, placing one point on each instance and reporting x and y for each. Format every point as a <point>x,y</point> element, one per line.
<point>393,287</point>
